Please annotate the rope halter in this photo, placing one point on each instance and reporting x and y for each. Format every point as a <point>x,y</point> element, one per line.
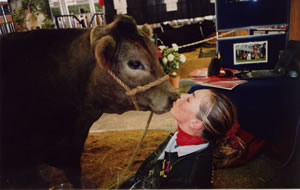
<point>132,92</point>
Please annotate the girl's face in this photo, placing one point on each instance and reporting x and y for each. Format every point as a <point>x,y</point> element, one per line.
<point>184,110</point>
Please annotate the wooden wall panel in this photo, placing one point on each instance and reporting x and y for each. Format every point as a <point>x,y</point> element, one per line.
<point>295,20</point>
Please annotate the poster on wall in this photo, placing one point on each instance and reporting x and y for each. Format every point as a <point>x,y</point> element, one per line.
<point>250,52</point>
<point>31,14</point>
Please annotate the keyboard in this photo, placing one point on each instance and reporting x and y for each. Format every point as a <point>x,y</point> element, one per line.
<point>258,74</point>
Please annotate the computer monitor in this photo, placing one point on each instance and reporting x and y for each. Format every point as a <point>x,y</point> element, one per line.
<point>251,52</point>
<point>233,14</point>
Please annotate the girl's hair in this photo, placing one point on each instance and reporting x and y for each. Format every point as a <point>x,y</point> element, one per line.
<point>218,115</point>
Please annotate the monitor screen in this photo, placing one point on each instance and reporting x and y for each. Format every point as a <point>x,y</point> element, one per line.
<point>246,13</point>
<point>251,52</point>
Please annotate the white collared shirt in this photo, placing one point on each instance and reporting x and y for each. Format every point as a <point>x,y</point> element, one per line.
<point>181,150</point>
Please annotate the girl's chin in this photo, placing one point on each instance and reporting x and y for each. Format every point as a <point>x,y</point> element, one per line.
<point>172,112</point>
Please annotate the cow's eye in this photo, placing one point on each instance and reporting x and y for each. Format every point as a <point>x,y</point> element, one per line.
<point>136,65</point>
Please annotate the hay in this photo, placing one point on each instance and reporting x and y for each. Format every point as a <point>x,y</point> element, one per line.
<point>107,154</point>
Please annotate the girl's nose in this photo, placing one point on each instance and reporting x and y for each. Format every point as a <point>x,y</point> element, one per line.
<point>184,96</point>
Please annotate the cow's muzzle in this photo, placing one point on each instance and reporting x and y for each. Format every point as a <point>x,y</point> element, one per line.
<point>132,92</point>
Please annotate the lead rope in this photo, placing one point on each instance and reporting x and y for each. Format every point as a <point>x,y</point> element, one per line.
<point>132,93</point>
<point>132,159</point>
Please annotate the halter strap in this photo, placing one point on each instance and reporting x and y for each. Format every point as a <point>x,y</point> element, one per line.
<point>138,89</point>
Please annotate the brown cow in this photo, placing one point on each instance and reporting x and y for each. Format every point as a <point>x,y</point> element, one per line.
<point>54,85</point>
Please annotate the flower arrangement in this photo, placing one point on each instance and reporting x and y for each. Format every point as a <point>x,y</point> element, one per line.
<point>171,60</point>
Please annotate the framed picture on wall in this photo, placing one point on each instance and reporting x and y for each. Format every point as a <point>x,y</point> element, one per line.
<point>250,52</point>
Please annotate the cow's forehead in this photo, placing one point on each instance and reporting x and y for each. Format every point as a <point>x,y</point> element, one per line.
<point>143,49</point>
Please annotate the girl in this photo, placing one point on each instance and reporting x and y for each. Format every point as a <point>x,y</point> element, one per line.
<point>184,159</point>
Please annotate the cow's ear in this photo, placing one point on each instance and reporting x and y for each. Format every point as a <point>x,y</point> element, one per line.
<point>147,30</point>
<point>104,51</point>
<point>96,33</point>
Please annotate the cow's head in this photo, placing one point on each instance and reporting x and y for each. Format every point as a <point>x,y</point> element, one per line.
<point>129,53</point>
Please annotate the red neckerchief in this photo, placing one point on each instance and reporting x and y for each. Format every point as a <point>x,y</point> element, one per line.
<point>184,139</point>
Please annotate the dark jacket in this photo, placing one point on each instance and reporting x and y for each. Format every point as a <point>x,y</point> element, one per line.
<point>190,171</point>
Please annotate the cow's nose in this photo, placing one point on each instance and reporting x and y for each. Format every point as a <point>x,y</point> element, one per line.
<point>174,98</point>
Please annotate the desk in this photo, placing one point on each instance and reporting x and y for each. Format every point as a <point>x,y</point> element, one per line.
<point>266,108</point>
